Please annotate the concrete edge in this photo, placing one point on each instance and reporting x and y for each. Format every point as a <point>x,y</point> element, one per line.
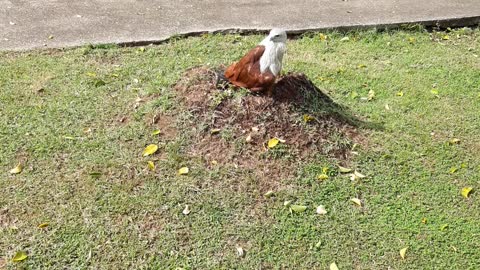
<point>435,23</point>
<point>441,24</point>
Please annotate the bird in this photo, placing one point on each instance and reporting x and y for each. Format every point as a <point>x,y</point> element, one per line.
<point>259,68</point>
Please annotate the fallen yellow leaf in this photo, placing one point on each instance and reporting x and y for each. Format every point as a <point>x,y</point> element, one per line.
<point>466,191</point>
<point>156,132</point>
<point>273,142</point>
<point>298,208</point>
<point>424,220</point>
<point>343,169</point>
<point>321,210</point>
<point>150,149</point>
<point>268,194</point>
<point>19,256</point>
<point>356,201</point>
<point>445,37</point>
<point>359,175</point>
<point>43,225</point>
<point>371,95</point>
<point>240,252</point>
<point>322,176</point>
<point>434,91</point>
<point>333,266</point>
<point>18,169</point>
<point>443,227</point>
<point>151,165</point>
<point>400,94</point>
<point>453,169</point>
<point>403,251</point>
<point>454,141</point>
<point>308,118</point>
<point>215,131</point>
<point>186,211</point>
<point>356,175</point>
<point>183,171</point>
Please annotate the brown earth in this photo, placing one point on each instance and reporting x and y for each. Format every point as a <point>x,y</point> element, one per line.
<point>233,126</point>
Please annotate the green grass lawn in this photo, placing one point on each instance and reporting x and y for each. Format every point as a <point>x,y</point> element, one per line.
<point>79,119</point>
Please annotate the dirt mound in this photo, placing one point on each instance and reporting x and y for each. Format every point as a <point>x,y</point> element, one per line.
<point>234,126</point>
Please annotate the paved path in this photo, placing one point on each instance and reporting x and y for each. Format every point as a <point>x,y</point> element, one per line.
<point>27,24</point>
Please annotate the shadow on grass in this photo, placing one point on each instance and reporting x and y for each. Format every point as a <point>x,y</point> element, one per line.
<point>299,91</point>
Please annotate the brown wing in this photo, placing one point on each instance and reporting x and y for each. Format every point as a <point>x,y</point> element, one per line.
<point>246,72</point>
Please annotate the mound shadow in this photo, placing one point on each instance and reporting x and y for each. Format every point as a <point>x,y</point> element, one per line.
<point>298,90</point>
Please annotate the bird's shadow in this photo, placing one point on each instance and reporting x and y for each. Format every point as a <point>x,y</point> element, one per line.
<point>299,91</point>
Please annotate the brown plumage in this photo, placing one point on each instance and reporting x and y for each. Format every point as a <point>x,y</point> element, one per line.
<point>246,72</point>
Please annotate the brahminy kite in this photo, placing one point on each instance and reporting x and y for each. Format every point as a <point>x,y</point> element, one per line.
<point>259,68</point>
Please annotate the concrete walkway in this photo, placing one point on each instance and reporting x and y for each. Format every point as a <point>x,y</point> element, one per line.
<point>28,24</point>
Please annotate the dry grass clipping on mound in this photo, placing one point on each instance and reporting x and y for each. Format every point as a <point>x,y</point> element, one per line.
<point>234,125</point>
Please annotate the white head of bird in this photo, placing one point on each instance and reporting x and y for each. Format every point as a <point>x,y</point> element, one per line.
<point>275,46</point>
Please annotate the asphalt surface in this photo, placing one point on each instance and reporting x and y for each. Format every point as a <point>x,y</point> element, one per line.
<point>29,24</point>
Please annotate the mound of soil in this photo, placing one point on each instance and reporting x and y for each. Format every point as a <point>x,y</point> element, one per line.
<point>234,126</point>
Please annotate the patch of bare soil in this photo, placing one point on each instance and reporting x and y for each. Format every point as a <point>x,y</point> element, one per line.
<point>309,121</point>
